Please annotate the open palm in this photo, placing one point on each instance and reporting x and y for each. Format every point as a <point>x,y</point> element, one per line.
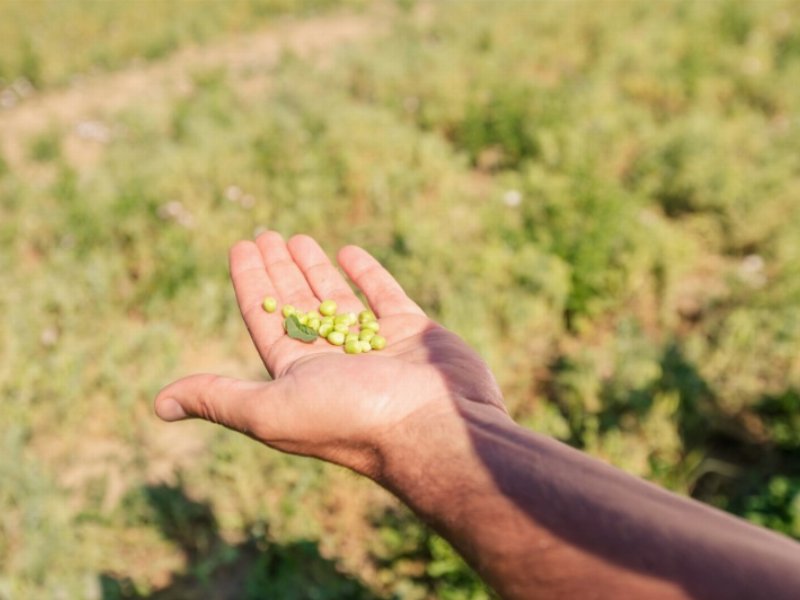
<point>323,402</point>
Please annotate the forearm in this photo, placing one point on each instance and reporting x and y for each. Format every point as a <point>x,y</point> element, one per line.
<point>538,519</point>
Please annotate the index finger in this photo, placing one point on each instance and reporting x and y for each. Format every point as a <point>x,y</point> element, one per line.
<point>322,276</point>
<point>384,294</point>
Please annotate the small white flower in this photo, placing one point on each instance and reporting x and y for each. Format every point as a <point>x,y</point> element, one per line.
<point>170,210</point>
<point>512,198</point>
<point>233,193</point>
<point>7,99</point>
<point>751,270</point>
<point>22,87</point>
<point>49,337</point>
<point>175,211</point>
<point>94,131</point>
<point>752,263</point>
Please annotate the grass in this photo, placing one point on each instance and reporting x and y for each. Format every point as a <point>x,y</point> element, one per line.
<point>605,198</point>
<point>50,43</point>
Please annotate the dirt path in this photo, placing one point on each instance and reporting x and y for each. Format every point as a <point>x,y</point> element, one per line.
<point>81,108</point>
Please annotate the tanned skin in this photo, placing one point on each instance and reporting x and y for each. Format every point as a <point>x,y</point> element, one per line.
<point>425,419</point>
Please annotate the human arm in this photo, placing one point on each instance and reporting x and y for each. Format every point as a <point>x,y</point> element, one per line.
<point>425,419</point>
<point>538,519</point>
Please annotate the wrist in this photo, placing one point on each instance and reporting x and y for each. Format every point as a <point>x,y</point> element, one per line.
<point>420,457</point>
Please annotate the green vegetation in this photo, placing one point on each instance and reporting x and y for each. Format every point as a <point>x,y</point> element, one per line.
<point>49,42</point>
<point>603,203</point>
<point>298,330</point>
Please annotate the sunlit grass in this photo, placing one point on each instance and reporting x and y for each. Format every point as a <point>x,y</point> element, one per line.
<point>604,204</point>
<point>48,42</point>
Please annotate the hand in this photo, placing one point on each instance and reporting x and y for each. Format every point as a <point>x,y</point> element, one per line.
<point>322,402</point>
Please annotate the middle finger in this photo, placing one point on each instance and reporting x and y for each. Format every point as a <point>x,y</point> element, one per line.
<point>291,286</point>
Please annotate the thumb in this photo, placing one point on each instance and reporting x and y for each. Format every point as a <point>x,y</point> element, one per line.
<point>237,404</point>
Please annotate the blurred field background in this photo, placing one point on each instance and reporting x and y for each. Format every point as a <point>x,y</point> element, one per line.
<point>602,197</point>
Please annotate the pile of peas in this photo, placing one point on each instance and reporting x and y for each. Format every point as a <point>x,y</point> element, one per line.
<point>335,327</point>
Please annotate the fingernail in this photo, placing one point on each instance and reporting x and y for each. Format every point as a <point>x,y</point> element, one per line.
<point>170,410</point>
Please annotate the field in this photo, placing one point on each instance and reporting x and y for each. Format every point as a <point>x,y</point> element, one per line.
<point>605,203</point>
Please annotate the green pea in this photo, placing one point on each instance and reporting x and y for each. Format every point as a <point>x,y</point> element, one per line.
<point>365,346</point>
<point>372,325</point>
<point>314,323</point>
<point>303,318</point>
<point>270,304</point>
<point>336,338</point>
<point>365,316</point>
<point>312,314</point>
<point>341,327</point>
<point>328,307</point>
<point>288,309</point>
<point>378,342</point>
<point>352,347</point>
<point>341,319</point>
<point>327,319</point>
<point>350,337</point>
<point>325,329</point>
<point>366,335</point>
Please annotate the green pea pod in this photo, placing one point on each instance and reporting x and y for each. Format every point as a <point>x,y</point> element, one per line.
<point>296,330</point>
